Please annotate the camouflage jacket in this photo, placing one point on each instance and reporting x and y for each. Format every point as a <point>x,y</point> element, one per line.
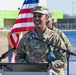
<point>64,38</point>
<point>35,51</point>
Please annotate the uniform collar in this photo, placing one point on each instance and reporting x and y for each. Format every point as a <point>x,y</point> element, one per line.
<point>42,34</point>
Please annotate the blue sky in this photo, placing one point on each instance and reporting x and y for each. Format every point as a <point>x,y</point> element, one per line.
<point>67,6</point>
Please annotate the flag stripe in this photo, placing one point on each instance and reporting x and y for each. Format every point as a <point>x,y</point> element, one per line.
<point>28,15</point>
<point>30,10</point>
<point>13,41</point>
<point>15,38</point>
<point>10,41</point>
<point>26,24</point>
<point>23,29</point>
<point>27,6</point>
<point>23,20</point>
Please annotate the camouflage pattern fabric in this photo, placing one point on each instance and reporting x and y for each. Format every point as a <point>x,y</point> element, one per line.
<point>64,38</point>
<point>35,51</point>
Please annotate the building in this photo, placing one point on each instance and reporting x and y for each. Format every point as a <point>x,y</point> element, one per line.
<point>8,17</point>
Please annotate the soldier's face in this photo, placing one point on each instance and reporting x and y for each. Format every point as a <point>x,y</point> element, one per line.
<point>39,19</point>
<point>50,24</point>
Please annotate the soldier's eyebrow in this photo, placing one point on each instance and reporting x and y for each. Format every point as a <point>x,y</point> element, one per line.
<point>37,16</point>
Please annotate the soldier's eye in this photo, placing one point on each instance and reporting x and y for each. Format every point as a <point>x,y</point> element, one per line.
<point>37,16</point>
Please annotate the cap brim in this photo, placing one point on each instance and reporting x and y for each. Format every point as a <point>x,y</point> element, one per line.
<point>41,12</point>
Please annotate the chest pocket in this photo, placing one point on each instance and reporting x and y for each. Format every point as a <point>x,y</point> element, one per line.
<point>37,48</point>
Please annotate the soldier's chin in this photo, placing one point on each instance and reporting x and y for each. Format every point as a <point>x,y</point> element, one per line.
<point>37,24</point>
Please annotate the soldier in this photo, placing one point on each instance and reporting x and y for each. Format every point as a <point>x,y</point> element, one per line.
<point>33,50</point>
<point>50,25</point>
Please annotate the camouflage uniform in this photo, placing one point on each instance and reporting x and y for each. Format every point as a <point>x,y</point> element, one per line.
<point>61,34</point>
<point>35,51</point>
<point>64,38</point>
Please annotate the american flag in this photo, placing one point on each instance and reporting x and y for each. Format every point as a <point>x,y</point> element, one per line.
<point>23,23</point>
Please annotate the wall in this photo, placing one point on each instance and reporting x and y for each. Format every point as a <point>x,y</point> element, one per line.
<point>12,14</point>
<point>7,14</point>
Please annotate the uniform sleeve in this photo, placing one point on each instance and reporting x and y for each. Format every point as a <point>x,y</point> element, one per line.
<point>66,41</point>
<point>59,54</point>
<point>21,52</point>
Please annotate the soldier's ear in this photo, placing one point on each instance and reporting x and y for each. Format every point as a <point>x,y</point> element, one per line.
<point>46,17</point>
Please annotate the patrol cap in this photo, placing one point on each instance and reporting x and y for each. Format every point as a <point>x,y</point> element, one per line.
<point>40,9</point>
<point>50,15</point>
